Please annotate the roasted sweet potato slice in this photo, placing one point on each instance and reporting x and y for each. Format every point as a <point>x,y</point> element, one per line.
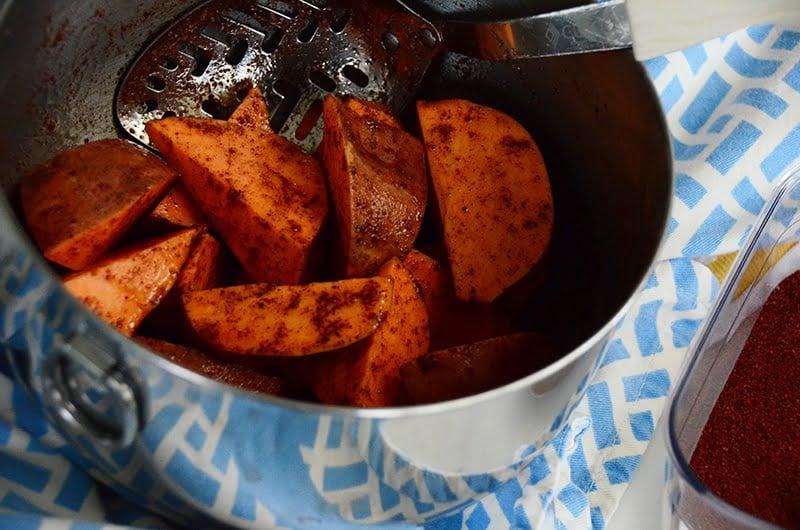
<point>492,192</point>
<point>224,370</point>
<point>367,373</point>
<point>209,266</point>
<point>264,196</point>
<point>175,211</point>
<point>473,368</point>
<point>78,204</point>
<point>261,319</point>
<point>123,288</point>
<point>378,184</point>
<point>252,111</point>
<point>372,112</point>
<point>452,322</point>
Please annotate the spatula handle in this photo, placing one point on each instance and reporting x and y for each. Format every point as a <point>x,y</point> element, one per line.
<point>663,26</point>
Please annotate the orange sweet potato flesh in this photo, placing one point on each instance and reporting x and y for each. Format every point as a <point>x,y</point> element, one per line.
<point>474,368</point>
<point>367,373</point>
<point>378,184</point>
<point>223,370</point>
<point>80,203</point>
<point>452,322</point>
<point>371,111</point>
<point>252,111</point>
<point>264,196</point>
<point>492,192</point>
<point>124,287</point>
<point>262,319</point>
<point>207,267</point>
<point>176,210</point>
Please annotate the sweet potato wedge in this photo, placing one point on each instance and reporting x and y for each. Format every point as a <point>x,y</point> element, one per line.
<point>263,195</point>
<point>371,111</point>
<point>223,370</point>
<point>78,204</point>
<point>474,368</point>
<point>252,111</point>
<point>452,322</point>
<point>492,192</point>
<point>175,211</point>
<point>378,185</point>
<point>367,373</point>
<point>123,288</point>
<point>208,266</point>
<point>261,319</point>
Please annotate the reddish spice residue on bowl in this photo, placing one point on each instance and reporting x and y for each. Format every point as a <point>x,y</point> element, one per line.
<point>749,452</point>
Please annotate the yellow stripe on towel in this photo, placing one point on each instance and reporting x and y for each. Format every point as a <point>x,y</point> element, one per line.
<point>761,262</point>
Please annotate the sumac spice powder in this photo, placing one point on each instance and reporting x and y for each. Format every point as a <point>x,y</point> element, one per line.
<point>749,451</point>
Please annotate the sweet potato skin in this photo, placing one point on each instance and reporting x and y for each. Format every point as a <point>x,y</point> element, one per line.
<point>262,319</point>
<point>223,370</point>
<point>367,373</point>
<point>474,368</point>
<point>252,112</point>
<point>452,322</point>
<point>81,202</point>
<point>493,195</point>
<point>378,184</point>
<point>263,195</point>
<point>124,287</point>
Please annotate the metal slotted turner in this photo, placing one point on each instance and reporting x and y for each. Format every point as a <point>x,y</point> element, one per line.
<point>299,51</point>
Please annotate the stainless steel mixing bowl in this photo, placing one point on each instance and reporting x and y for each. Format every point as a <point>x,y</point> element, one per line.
<point>202,452</point>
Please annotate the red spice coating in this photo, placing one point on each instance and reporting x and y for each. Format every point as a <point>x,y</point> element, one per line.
<point>748,452</point>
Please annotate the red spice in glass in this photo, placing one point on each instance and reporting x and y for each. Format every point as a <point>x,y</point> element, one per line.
<point>749,451</point>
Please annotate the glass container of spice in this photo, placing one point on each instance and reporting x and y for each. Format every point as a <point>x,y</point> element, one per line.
<point>733,431</point>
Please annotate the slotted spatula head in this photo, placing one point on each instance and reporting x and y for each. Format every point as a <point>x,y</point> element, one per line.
<point>296,51</point>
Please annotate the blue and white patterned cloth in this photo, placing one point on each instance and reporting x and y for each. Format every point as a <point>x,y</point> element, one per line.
<point>733,107</point>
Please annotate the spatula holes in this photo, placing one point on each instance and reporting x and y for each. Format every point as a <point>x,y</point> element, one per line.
<point>271,35</point>
<point>281,9</point>
<point>428,38</point>
<point>169,64</point>
<point>215,34</point>
<point>290,95</point>
<point>272,39</point>
<point>237,46</point>
<point>306,34</point>
<point>355,75</point>
<point>322,81</point>
<point>215,109</point>
<point>149,106</point>
<point>245,20</point>
<point>390,41</point>
<point>168,114</point>
<point>309,121</point>
<point>201,57</point>
<point>340,19</point>
<point>155,83</point>
<point>236,52</point>
<point>242,91</point>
